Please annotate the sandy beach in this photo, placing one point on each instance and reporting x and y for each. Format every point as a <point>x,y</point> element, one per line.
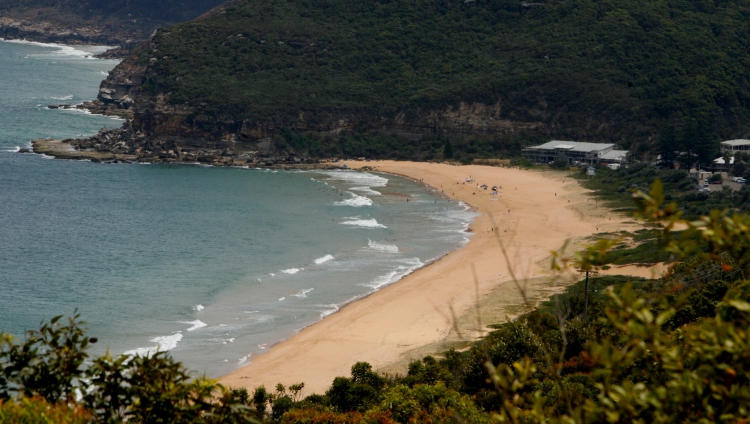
<point>534,213</point>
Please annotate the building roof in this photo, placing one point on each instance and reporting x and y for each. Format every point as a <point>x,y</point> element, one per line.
<point>738,142</point>
<point>576,146</point>
<point>614,155</point>
<point>721,161</point>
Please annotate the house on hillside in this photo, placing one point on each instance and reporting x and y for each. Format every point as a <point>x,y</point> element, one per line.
<point>732,146</point>
<point>576,152</point>
<point>721,165</point>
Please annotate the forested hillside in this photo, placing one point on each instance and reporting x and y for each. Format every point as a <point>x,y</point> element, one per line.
<point>140,17</point>
<point>612,71</point>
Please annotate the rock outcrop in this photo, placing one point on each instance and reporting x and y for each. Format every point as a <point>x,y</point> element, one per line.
<point>117,93</point>
<point>127,144</point>
<point>51,32</point>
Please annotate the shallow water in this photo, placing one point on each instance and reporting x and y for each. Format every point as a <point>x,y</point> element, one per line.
<point>215,264</point>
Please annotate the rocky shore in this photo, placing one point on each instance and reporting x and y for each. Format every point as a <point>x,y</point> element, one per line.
<point>124,146</point>
<point>81,34</point>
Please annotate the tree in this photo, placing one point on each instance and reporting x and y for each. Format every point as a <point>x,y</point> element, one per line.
<point>560,163</point>
<point>49,364</point>
<point>738,168</point>
<point>448,149</point>
<point>667,146</point>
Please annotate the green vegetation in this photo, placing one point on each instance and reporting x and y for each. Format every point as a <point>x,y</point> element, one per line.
<point>614,188</point>
<point>137,14</point>
<point>384,146</point>
<point>36,410</point>
<point>48,368</point>
<point>675,349</point>
<point>595,71</point>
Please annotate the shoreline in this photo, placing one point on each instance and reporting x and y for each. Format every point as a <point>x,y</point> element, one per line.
<point>21,29</point>
<point>390,326</point>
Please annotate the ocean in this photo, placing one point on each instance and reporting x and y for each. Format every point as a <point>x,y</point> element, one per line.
<point>215,265</point>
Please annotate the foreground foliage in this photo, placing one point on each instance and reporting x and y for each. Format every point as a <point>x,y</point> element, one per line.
<point>48,366</point>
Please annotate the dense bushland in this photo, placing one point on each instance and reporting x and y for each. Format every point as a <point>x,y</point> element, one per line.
<point>594,71</point>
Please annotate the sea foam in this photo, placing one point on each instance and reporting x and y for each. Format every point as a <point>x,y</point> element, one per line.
<point>334,308</point>
<point>355,201</point>
<point>302,294</point>
<point>389,248</point>
<point>324,259</point>
<point>364,223</point>
<point>163,344</point>
<point>64,50</point>
<point>357,178</point>
<point>409,266</point>
<point>291,270</point>
<point>195,324</point>
<point>367,190</point>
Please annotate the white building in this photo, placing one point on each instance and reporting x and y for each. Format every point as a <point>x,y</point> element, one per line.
<point>731,146</point>
<point>575,151</point>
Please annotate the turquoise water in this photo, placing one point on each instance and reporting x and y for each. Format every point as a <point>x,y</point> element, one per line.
<point>214,264</point>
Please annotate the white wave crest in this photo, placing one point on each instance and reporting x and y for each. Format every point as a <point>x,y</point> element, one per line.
<point>334,309</point>
<point>64,50</point>
<point>195,324</point>
<point>389,248</point>
<point>291,270</point>
<point>163,344</point>
<point>367,190</point>
<point>68,97</point>
<point>356,201</point>
<point>410,265</point>
<point>199,307</point>
<point>357,178</point>
<point>364,223</point>
<point>302,294</point>
<point>324,259</point>
<point>243,359</point>
<point>281,299</point>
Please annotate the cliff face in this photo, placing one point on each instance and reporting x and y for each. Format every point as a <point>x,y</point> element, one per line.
<point>117,93</point>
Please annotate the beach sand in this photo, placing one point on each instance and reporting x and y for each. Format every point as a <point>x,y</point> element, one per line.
<point>535,213</point>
